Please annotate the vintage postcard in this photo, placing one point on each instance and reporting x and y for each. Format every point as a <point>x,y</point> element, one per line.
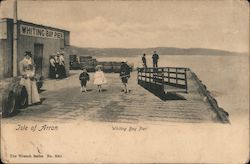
<point>134,81</point>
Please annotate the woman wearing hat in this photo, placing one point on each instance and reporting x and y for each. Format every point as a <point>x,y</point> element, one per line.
<point>27,71</point>
<point>99,77</point>
<point>62,65</point>
<point>125,75</point>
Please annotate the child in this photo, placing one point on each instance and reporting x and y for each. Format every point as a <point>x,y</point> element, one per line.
<point>84,77</point>
<point>125,75</point>
<point>99,77</point>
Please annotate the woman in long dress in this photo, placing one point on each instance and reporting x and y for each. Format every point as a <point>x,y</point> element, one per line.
<point>99,78</point>
<point>27,71</point>
<point>62,66</point>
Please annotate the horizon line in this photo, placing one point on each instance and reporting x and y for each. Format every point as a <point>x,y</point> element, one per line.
<point>160,47</point>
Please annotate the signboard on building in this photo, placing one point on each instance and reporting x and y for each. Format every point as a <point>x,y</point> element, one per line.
<point>40,32</point>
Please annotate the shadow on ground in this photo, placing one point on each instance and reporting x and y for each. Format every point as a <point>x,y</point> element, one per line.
<point>172,96</point>
<point>165,96</point>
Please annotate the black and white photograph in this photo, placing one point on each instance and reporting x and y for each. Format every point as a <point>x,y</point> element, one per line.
<point>134,81</point>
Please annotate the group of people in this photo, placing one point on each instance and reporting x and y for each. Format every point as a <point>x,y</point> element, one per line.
<point>57,70</point>
<point>27,69</point>
<point>100,79</point>
<point>99,76</point>
<point>155,58</point>
<point>57,66</point>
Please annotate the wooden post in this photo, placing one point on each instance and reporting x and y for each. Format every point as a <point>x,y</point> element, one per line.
<point>150,76</point>
<point>162,71</point>
<point>168,75</point>
<point>186,85</point>
<point>15,39</point>
<point>154,77</point>
<point>162,77</point>
<point>141,75</point>
<point>137,75</point>
<point>176,76</point>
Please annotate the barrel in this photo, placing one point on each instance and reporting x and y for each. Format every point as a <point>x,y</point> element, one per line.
<point>13,96</point>
<point>7,99</point>
<point>84,58</point>
<point>116,67</point>
<point>107,66</point>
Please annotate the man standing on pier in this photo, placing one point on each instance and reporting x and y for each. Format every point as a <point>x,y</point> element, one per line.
<point>144,61</point>
<point>155,58</point>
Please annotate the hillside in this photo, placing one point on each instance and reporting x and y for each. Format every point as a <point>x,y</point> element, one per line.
<point>139,51</point>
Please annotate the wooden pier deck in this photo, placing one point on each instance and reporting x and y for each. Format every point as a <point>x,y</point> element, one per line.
<point>62,101</point>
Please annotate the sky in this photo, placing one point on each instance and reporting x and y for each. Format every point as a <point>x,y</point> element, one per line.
<point>215,24</point>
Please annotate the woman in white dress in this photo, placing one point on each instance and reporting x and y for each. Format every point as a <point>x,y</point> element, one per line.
<point>99,78</point>
<point>27,71</point>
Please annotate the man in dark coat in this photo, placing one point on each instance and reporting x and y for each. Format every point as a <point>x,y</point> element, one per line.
<point>144,61</point>
<point>125,75</point>
<point>155,58</point>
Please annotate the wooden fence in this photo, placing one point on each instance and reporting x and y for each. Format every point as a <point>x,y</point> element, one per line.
<point>168,79</point>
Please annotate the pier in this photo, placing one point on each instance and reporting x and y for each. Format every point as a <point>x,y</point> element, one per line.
<point>62,101</point>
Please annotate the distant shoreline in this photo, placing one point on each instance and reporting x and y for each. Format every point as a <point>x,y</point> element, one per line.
<point>101,55</point>
<point>166,51</point>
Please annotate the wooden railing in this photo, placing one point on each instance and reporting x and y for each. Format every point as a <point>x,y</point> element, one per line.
<point>164,76</point>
